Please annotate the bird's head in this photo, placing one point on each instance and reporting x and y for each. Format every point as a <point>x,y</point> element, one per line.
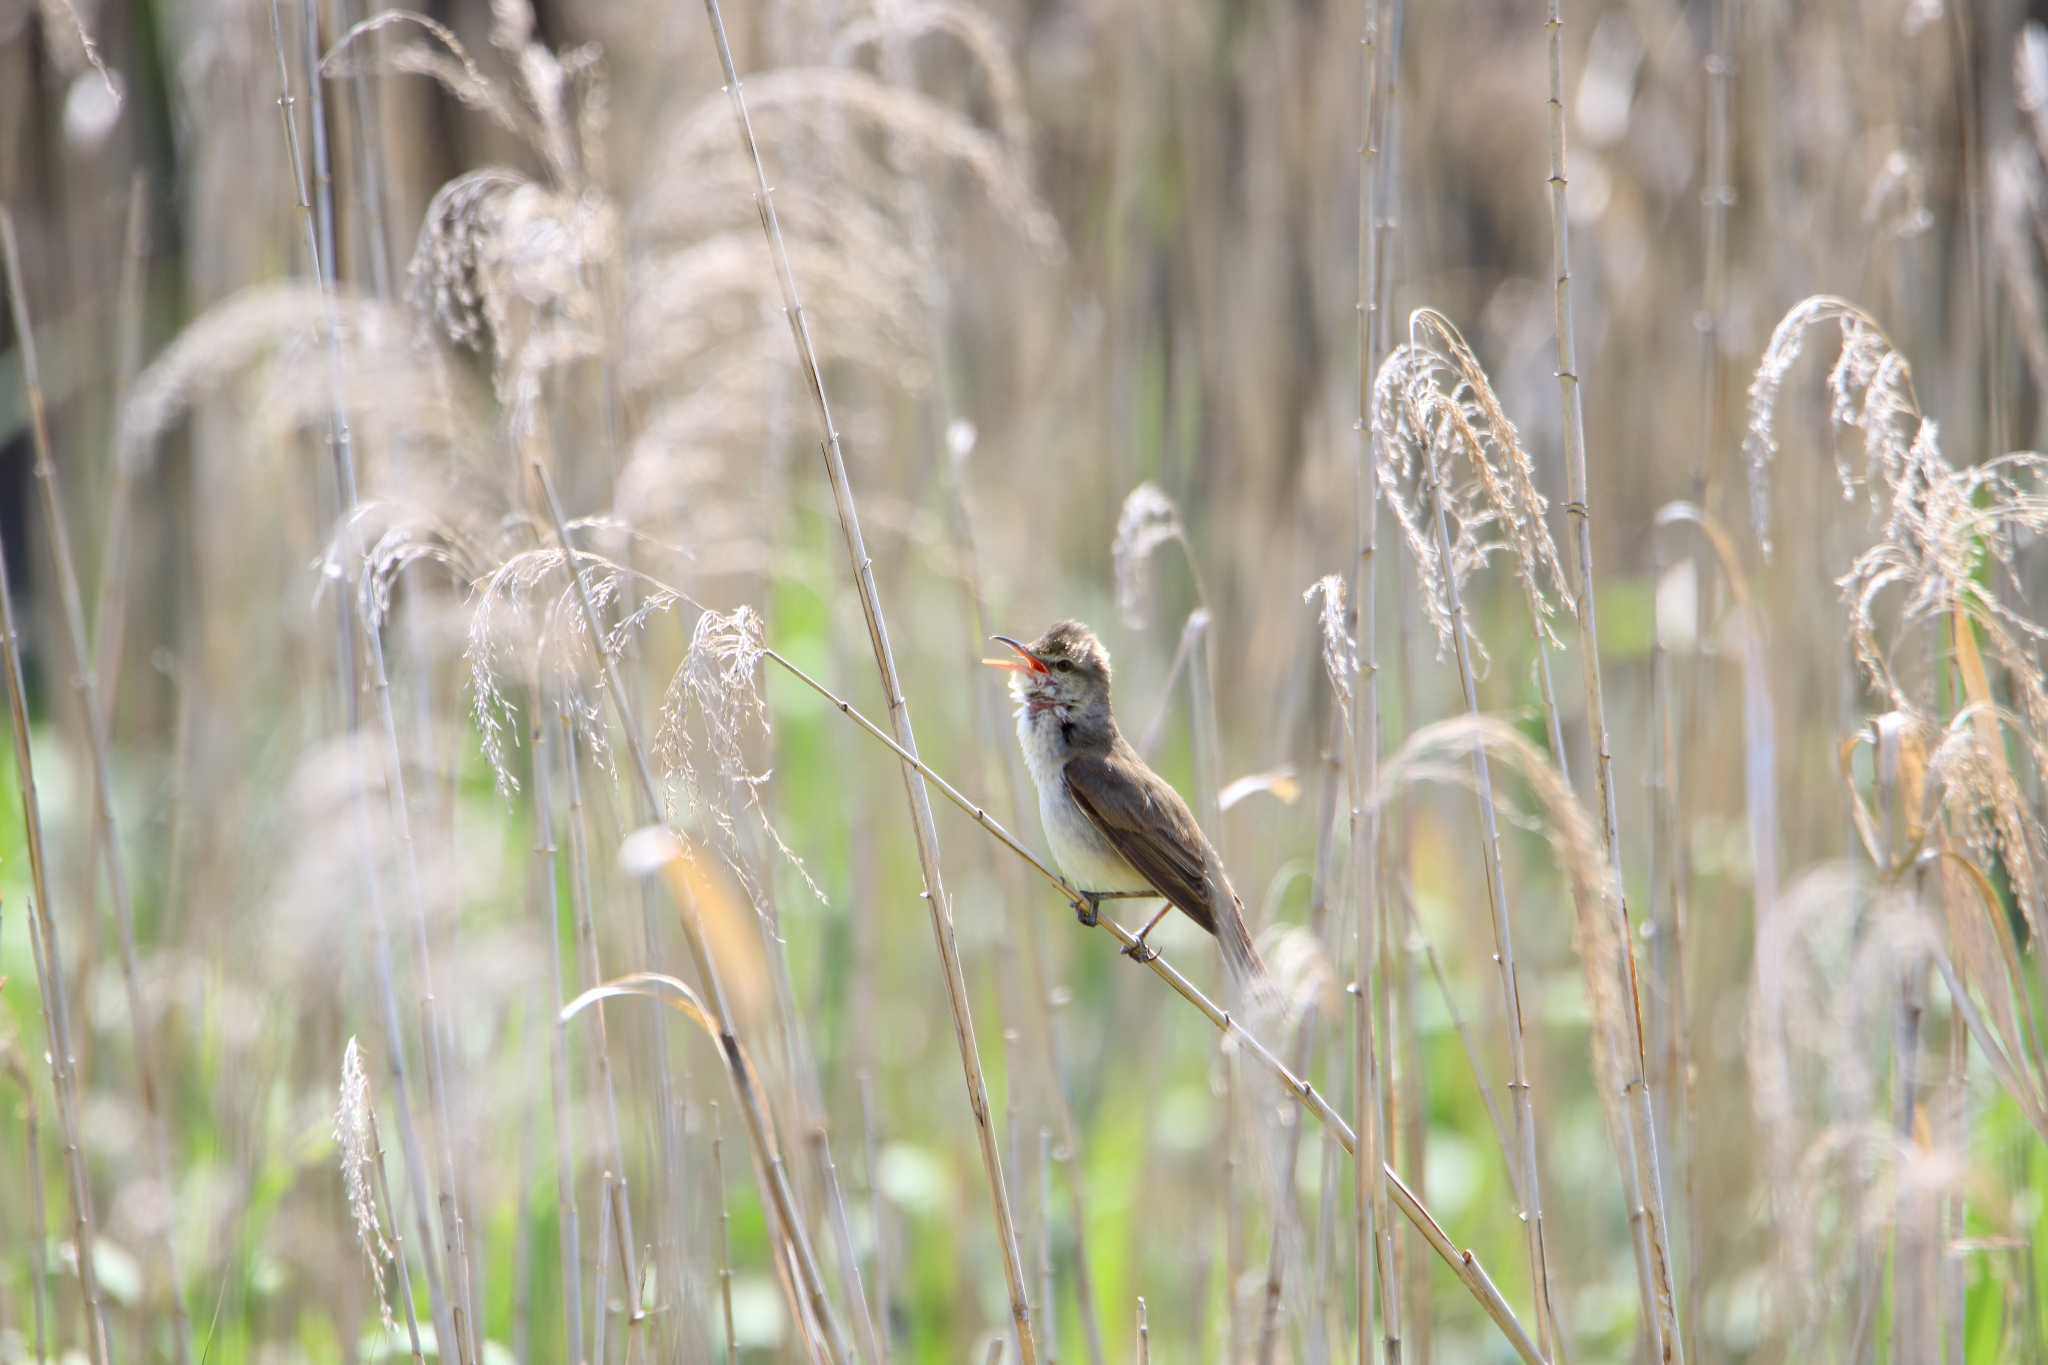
<point>1066,669</point>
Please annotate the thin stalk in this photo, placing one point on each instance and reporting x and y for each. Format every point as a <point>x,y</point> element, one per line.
<point>1048,1302</point>
<point>635,1286</point>
<point>1529,1188</point>
<point>110,602</point>
<point>112,858</point>
<point>924,827</point>
<point>869,1340</point>
<point>1149,743</point>
<point>1233,1141</point>
<point>810,1104</point>
<point>1463,1264</point>
<point>456,1248</point>
<point>383,1192</point>
<point>1716,199</point>
<point>1644,1170</point>
<point>600,1304</point>
<point>590,972</point>
<point>877,1206</point>
<point>341,445</point>
<point>548,900</point>
<point>49,961</point>
<point>732,1343</point>
<point>995,745</point>
<point>1670,879</point>
<point>997,750</point>
<point>1372,1229</point>
<point>369,140</point>
<point>738,1069</point>
<point>1914,1311</point>
<point>1144,1335</point>
<point>1305,1037</point>
<point>39,1225</point>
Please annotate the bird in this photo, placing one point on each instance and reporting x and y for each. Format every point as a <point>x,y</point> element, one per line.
<point>1117,829</point>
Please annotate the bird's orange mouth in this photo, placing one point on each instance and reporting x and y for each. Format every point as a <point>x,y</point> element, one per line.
<point>1025,662</point>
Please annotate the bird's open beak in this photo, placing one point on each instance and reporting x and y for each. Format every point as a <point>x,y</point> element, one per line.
<point>1025,662</point>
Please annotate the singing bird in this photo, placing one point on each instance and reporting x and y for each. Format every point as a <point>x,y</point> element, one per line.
<point>1117,829</point>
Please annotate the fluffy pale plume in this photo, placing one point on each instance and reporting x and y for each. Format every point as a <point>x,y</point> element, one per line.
<point>1838,1163</point>
<point>539,112</point>
<point>1947,546</point>
<point>1340,650</point>
<point>293,325</point>
<point>719,685</point>
<point>386,538</point>
<point>509,268</point>
<point>1148,521</point>
<point>975,36</point>
<point>1443,433</point>
<point>352,1134</point>
<point>935,137</point>
<point>1870,390</point>
<point>524,613</point>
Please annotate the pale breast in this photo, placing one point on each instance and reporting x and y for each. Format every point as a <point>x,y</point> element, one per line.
<point>1085,857</point>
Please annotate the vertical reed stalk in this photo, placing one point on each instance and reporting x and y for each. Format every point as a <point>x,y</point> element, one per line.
<point>899,708</point>
<point>39,1287</point>
<point>1644,1175</point>
<point>112,855</point>
<point>1048,1301</point>
<point>1372,1234</point>
<point>1305,1038</point>
<point>590,971</point>
<point>1529,1184</point>
<point>601,1307</point>
<point>110,601</point>
<point>341,445</point>
<point>383,1193</point>
<point>732,1341</point>
<point>49,960</point>
<point>548,900</point>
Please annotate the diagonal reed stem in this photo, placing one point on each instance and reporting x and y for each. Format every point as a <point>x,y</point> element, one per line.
<point>923,825</point>
<point>1463,1264</point>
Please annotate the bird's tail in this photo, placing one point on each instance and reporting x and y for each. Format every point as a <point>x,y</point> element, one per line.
<point>1255,996</point>
<point>1241,958</point>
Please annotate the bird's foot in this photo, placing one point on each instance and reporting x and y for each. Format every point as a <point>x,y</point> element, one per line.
<point>1139,951</point>
<point>1088,910</point>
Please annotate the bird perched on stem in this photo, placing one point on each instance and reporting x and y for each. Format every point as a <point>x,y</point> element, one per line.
<point>1118,830</point>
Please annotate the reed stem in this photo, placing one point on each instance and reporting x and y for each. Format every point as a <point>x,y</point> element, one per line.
<point>922,824</point>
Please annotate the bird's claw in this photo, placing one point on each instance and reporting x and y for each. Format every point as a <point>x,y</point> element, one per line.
<point>1139,951</point>
<point>1088,910</point>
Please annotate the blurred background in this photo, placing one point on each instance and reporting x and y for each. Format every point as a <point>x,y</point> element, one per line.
<point>312,290</point>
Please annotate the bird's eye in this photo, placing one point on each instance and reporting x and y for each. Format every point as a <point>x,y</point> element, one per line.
<point>1064,665</point>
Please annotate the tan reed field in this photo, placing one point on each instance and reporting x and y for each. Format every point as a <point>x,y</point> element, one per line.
<point>509,854</point>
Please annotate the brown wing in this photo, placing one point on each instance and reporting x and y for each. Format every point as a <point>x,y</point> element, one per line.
<point>1147,822</point>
